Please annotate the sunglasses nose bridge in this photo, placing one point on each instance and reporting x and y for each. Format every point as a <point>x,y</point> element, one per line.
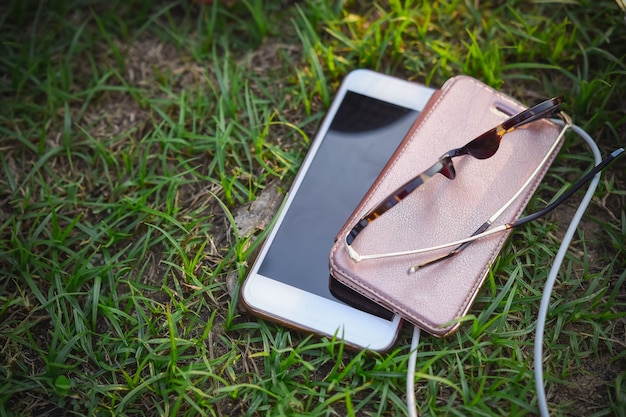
<point>447,168</point>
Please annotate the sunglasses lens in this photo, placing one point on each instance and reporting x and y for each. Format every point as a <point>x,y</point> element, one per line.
<point>484,146</point>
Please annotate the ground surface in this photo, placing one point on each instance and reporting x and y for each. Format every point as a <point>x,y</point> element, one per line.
<point>146,146</point>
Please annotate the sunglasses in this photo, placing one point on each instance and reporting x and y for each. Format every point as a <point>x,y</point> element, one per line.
<point>483,147</point>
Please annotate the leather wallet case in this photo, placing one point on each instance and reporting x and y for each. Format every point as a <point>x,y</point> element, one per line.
<point>443,210</point>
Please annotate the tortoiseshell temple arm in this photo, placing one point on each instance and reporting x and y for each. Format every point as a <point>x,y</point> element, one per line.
<point>540,111</point>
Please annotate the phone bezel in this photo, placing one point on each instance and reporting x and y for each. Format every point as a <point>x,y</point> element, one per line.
<point>303,310</point>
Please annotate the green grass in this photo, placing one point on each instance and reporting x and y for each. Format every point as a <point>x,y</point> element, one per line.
<point>132,132</point>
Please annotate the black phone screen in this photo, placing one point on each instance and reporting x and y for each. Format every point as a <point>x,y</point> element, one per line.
<point>362,137</point>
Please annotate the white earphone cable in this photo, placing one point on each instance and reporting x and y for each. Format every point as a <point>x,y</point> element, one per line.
<point>547,291</point>
<point>410,377</point>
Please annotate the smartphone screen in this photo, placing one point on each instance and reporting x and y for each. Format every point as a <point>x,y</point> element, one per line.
<point>361,138</point>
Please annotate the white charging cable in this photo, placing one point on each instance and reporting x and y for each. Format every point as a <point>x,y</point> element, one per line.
<point>545,300</point>
<point>547,291</point>
<point>410,377</point>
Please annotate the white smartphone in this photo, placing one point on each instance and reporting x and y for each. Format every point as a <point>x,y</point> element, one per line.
<point>289,280</point>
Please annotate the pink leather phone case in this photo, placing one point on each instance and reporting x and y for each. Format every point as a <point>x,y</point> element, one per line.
<point>443,210</point>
